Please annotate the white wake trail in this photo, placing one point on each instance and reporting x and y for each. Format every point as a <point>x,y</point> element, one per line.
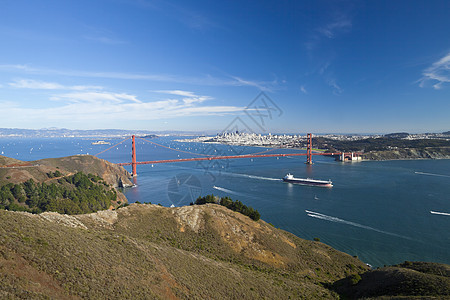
<point>337,220</point>
<point>253,176</point>
<point>227,191</point>
<point>439,213</point>
<point>431,174</point>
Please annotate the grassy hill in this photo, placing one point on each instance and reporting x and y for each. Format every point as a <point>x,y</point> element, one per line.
<point>149,251</point>
<point>422,280</point>
<point>146,251</point>
<point>37,170</point>
<point>16,172</point>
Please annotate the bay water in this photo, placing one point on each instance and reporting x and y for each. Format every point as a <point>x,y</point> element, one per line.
<point>383,212</point>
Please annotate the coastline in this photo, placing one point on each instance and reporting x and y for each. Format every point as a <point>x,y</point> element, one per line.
<point>382,155</point>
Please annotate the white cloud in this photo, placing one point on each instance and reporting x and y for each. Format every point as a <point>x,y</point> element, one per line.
<point>336,88</point>
<point>33,84</point>
<point>177,92</point>
<point>42,85</point>
<point>438,73</point>
<point>261,85</point>
<point>204,81</point>
<point>190,97</point>
<point>303,89</point>
<point>96,97</point>
<point>330,30</point>
<point>78,109</point>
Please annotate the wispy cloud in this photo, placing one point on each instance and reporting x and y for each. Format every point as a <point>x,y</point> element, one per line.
<point>193,19</point>
<point>340,25</point>
<point>266,86</point>
<point>101,35</point>
<point>303,89</point>
<point>206,80</point>
<point>42,85</point>
<point>438,73</point>
<point>189,97</point>
<point>78,108</point>
<point>177,92</point>
<point>336,88</point>
<point>96,97</point>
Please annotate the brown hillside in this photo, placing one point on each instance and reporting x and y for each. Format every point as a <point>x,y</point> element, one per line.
<point>8,161</point>
<point>37,170</point>
<point>149,251</point>
<point>111,173</point>
<point>14,171</point>
<point>421,280</point>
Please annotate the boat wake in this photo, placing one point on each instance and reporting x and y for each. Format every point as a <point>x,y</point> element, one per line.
<point>227,191</point>
<point>431,174</point>
<point>253,176</point>
<point>337,220</point>
<point>439,213</point>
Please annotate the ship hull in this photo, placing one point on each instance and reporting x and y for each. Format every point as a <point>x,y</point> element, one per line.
<point>308,182</point>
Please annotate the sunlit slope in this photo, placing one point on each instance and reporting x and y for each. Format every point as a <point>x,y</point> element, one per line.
<point>15,171</point>
<point>150,251</point>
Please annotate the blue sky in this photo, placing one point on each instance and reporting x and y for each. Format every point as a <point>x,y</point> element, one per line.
<point>323,66</point>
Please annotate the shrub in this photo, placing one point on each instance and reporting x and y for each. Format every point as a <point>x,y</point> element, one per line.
<point>355,278</point>
<point>69,195</point>
<point>237,205</point>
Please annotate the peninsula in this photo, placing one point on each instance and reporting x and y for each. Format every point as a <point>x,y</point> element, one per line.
<point>372,147</point>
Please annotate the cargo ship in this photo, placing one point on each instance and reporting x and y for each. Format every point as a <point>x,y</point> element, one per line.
<point>308,181</point>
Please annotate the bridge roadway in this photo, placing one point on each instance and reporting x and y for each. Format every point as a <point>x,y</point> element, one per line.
<point>222,157</point>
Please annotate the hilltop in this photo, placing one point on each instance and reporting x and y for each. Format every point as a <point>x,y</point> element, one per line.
<point>149,251</point>
<point>16,171</point>
<point>74,184</point>
<point>196,252</point>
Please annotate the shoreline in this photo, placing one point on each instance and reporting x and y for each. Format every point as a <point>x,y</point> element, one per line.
<point>317,150</point>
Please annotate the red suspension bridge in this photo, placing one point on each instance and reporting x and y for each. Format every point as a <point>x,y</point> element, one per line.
<point>206,157</point>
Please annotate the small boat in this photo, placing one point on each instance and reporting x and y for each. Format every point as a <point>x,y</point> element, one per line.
<point>308,181</point>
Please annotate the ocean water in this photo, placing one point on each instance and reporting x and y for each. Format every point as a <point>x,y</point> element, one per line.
<point>383,212</point>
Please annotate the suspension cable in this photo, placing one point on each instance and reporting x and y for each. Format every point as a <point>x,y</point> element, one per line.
<point>112,146</point>
<point>261,152</point>
<point>174,149</point>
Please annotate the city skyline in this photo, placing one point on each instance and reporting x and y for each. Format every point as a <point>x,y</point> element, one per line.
<point>323,67</point>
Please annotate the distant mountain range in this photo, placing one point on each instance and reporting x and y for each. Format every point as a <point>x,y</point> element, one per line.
<point>63,132</point>
<point>94,133</point>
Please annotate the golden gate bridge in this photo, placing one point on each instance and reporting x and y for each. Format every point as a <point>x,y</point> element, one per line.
<point>207,157</point>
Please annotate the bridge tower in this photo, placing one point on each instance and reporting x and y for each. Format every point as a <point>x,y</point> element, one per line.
<point>309,149</point>
<point>133,156</point>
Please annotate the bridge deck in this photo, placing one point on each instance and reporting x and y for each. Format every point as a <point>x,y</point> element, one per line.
<point>222,157</point>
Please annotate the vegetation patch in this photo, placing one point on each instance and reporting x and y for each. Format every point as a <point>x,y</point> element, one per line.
<point>76,194</point>
<point>230,204</point>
